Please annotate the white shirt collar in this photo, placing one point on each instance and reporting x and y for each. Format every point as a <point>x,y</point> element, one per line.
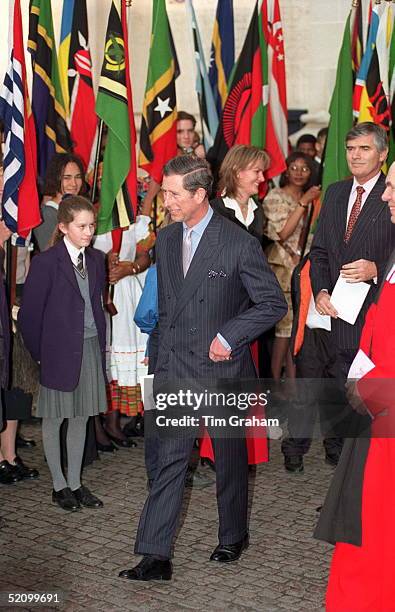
<point>73,251</point>
<point>368,186</point>
<point>233,205</point>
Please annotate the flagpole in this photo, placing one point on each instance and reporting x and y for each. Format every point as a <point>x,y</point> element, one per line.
<point>97,161</point>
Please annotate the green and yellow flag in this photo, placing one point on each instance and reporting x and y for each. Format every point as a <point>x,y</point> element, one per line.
<point>112,106</point>
<point>158,135</point>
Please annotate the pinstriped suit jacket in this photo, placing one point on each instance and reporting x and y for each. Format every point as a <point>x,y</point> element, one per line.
<point>229,288</point>
<point>373,238</point>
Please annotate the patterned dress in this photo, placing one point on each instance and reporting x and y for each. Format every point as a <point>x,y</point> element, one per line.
<point>277,207</point>
<point>126,345</point>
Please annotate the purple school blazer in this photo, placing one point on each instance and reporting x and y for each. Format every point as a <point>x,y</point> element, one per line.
<point>51,317</point>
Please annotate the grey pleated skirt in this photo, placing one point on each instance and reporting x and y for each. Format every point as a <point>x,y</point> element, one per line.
<point>87,399</point>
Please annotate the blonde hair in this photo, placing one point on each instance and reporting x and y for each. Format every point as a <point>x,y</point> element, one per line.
<point>239,158</point>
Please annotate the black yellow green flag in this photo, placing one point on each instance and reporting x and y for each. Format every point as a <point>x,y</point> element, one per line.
<point>158,136</point>
<point>112,106</point>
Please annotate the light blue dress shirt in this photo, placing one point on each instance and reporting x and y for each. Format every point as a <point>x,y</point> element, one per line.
<point>196,234</point>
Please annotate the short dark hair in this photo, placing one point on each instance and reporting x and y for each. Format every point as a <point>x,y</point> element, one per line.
<point>290,160</point>
<point>310,138</point>
<point>195,171</point>
<point>367,128</point>
<point>184,116</point>
<point>53,176</point>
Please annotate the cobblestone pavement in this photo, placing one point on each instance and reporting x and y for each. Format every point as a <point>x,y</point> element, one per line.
<point>43,548</point>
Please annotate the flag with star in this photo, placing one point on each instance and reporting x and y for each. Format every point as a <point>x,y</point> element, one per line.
<point>118,194</point>
<point>158,134</point>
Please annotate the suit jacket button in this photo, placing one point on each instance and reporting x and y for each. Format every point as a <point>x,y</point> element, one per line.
<point>201,300</point>
<point>193,330</point>
<point>191,353</point>
<point>172,326</point>
<point>173,350</point>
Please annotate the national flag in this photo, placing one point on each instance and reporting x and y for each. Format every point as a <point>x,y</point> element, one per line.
<point>357,46</point>
<point>20,202</point>
<point>114,107</point>
<point>208,111</point>
<point>47,100</point>
<point>64,50</point>
<point>341,114</point>
<point>377,83</point>
<point>361,103</point>
<point>158,134</point>
<point>222,56</point>
<point>246,118</point>
<point>277,111</point>
<point>83,119</point>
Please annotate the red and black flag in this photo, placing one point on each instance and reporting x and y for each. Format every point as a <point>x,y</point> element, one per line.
<point>83,119</point>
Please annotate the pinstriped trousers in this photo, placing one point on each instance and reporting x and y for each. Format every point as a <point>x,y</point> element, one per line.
<point>159,519</point>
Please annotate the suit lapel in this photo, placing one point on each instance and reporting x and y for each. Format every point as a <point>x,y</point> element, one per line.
<point>208,250</point>
<point>341,213</point>
<point>91,267</point>
<point>174,258</point>
<point>371,209</point>
<point>66,266</point>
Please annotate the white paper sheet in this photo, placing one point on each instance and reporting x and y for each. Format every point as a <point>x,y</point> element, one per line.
<point>360,366</point>
<point>348,299</point>
<point>147,394</point>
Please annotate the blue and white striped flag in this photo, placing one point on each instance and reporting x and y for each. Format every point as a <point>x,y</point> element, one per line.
<point>208,111</point>
<point>13,97</point>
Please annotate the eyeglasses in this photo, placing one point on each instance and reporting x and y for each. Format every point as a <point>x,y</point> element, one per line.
<point>304,169</point>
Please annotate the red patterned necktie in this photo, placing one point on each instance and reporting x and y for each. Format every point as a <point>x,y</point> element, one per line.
<point>356,209</point>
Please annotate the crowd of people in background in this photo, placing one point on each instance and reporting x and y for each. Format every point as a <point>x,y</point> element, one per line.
<point>93,330</point>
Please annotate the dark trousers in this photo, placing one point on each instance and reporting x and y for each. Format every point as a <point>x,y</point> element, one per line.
<point>317,359</point>
<point>159,519</point>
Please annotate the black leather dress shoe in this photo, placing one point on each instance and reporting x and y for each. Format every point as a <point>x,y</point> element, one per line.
<point>226,553</point>
<point>65,500</point>
<point>85,498</point>
<point>149,569</point>
<point>24,443</point>
<point>294,464</point>
<point>24,471</point>
<point>8,473</point>
<point>119,443</point>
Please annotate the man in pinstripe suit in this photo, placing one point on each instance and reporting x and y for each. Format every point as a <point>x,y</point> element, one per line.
<point>216,294</point>
<point>354,238</point>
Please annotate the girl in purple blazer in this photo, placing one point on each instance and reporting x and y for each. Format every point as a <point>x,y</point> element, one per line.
<point>62,323</point>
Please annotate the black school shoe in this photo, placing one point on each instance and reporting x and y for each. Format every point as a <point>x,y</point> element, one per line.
<point>8,475</point>
<point>66,500</point>
<point>24,471</point>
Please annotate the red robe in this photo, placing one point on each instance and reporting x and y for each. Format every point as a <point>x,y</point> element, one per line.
<point>362,577</point>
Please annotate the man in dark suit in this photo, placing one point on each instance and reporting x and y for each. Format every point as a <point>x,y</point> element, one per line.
<point>216,294</point>
<point>354,239</point>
